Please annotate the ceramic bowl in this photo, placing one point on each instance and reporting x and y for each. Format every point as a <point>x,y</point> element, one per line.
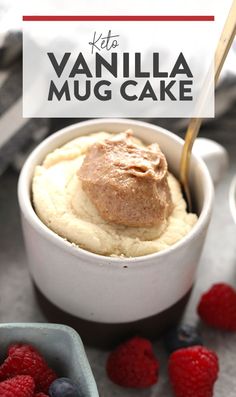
<point>60,345</point>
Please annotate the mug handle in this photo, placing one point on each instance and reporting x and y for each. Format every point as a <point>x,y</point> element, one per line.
<point>214,155</point>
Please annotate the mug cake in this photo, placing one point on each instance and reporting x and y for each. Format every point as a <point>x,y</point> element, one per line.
<point>111,195</point>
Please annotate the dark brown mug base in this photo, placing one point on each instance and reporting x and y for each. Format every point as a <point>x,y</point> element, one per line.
<point>105,335</point>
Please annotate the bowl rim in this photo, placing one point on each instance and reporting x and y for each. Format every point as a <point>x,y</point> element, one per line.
<point>31,216</point>
<point>77,342</point>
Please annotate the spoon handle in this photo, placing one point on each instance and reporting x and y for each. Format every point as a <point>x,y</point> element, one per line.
<point>226,40</point>
<point>222,50</point>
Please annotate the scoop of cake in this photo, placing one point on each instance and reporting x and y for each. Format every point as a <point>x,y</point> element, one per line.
<point>127,183</point>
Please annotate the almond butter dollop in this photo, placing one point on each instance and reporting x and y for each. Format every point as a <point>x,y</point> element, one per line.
<point>127,183</point>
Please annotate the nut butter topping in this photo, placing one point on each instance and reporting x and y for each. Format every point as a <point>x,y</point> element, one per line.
<point>127,183</point>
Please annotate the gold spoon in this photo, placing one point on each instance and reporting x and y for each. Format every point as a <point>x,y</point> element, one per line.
<point>224,44</point>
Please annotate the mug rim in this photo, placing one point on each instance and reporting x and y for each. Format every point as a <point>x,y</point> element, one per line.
<point>25,202</point>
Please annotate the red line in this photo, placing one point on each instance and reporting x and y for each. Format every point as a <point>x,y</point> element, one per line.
<point>118,18</point>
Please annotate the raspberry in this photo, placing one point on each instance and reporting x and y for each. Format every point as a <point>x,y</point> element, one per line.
<point>25,360</point>
<point>19,386</point>
<point>193,371</point>
<point>217,307</point>
<point>40,395</point>
<point>12,348</point>
<point>133,364</point>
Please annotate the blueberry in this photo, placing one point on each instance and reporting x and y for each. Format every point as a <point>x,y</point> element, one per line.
<point>63,387</point>
<point>182,336</point>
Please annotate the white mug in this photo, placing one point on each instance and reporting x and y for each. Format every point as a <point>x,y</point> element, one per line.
<point>112,289</point>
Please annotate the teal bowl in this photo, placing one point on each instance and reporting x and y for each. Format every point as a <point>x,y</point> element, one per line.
<point>60,345</point>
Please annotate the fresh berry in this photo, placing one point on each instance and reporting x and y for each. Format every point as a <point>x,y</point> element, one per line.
<point>193,372</point>
<point>63,387</point>
<point>19,386</point>
<point>25,360</point>
<point>182,336</point>
<point>41,395</point>
<point>12,348</point>
<point>133,364</point>
<point>217,307</point>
